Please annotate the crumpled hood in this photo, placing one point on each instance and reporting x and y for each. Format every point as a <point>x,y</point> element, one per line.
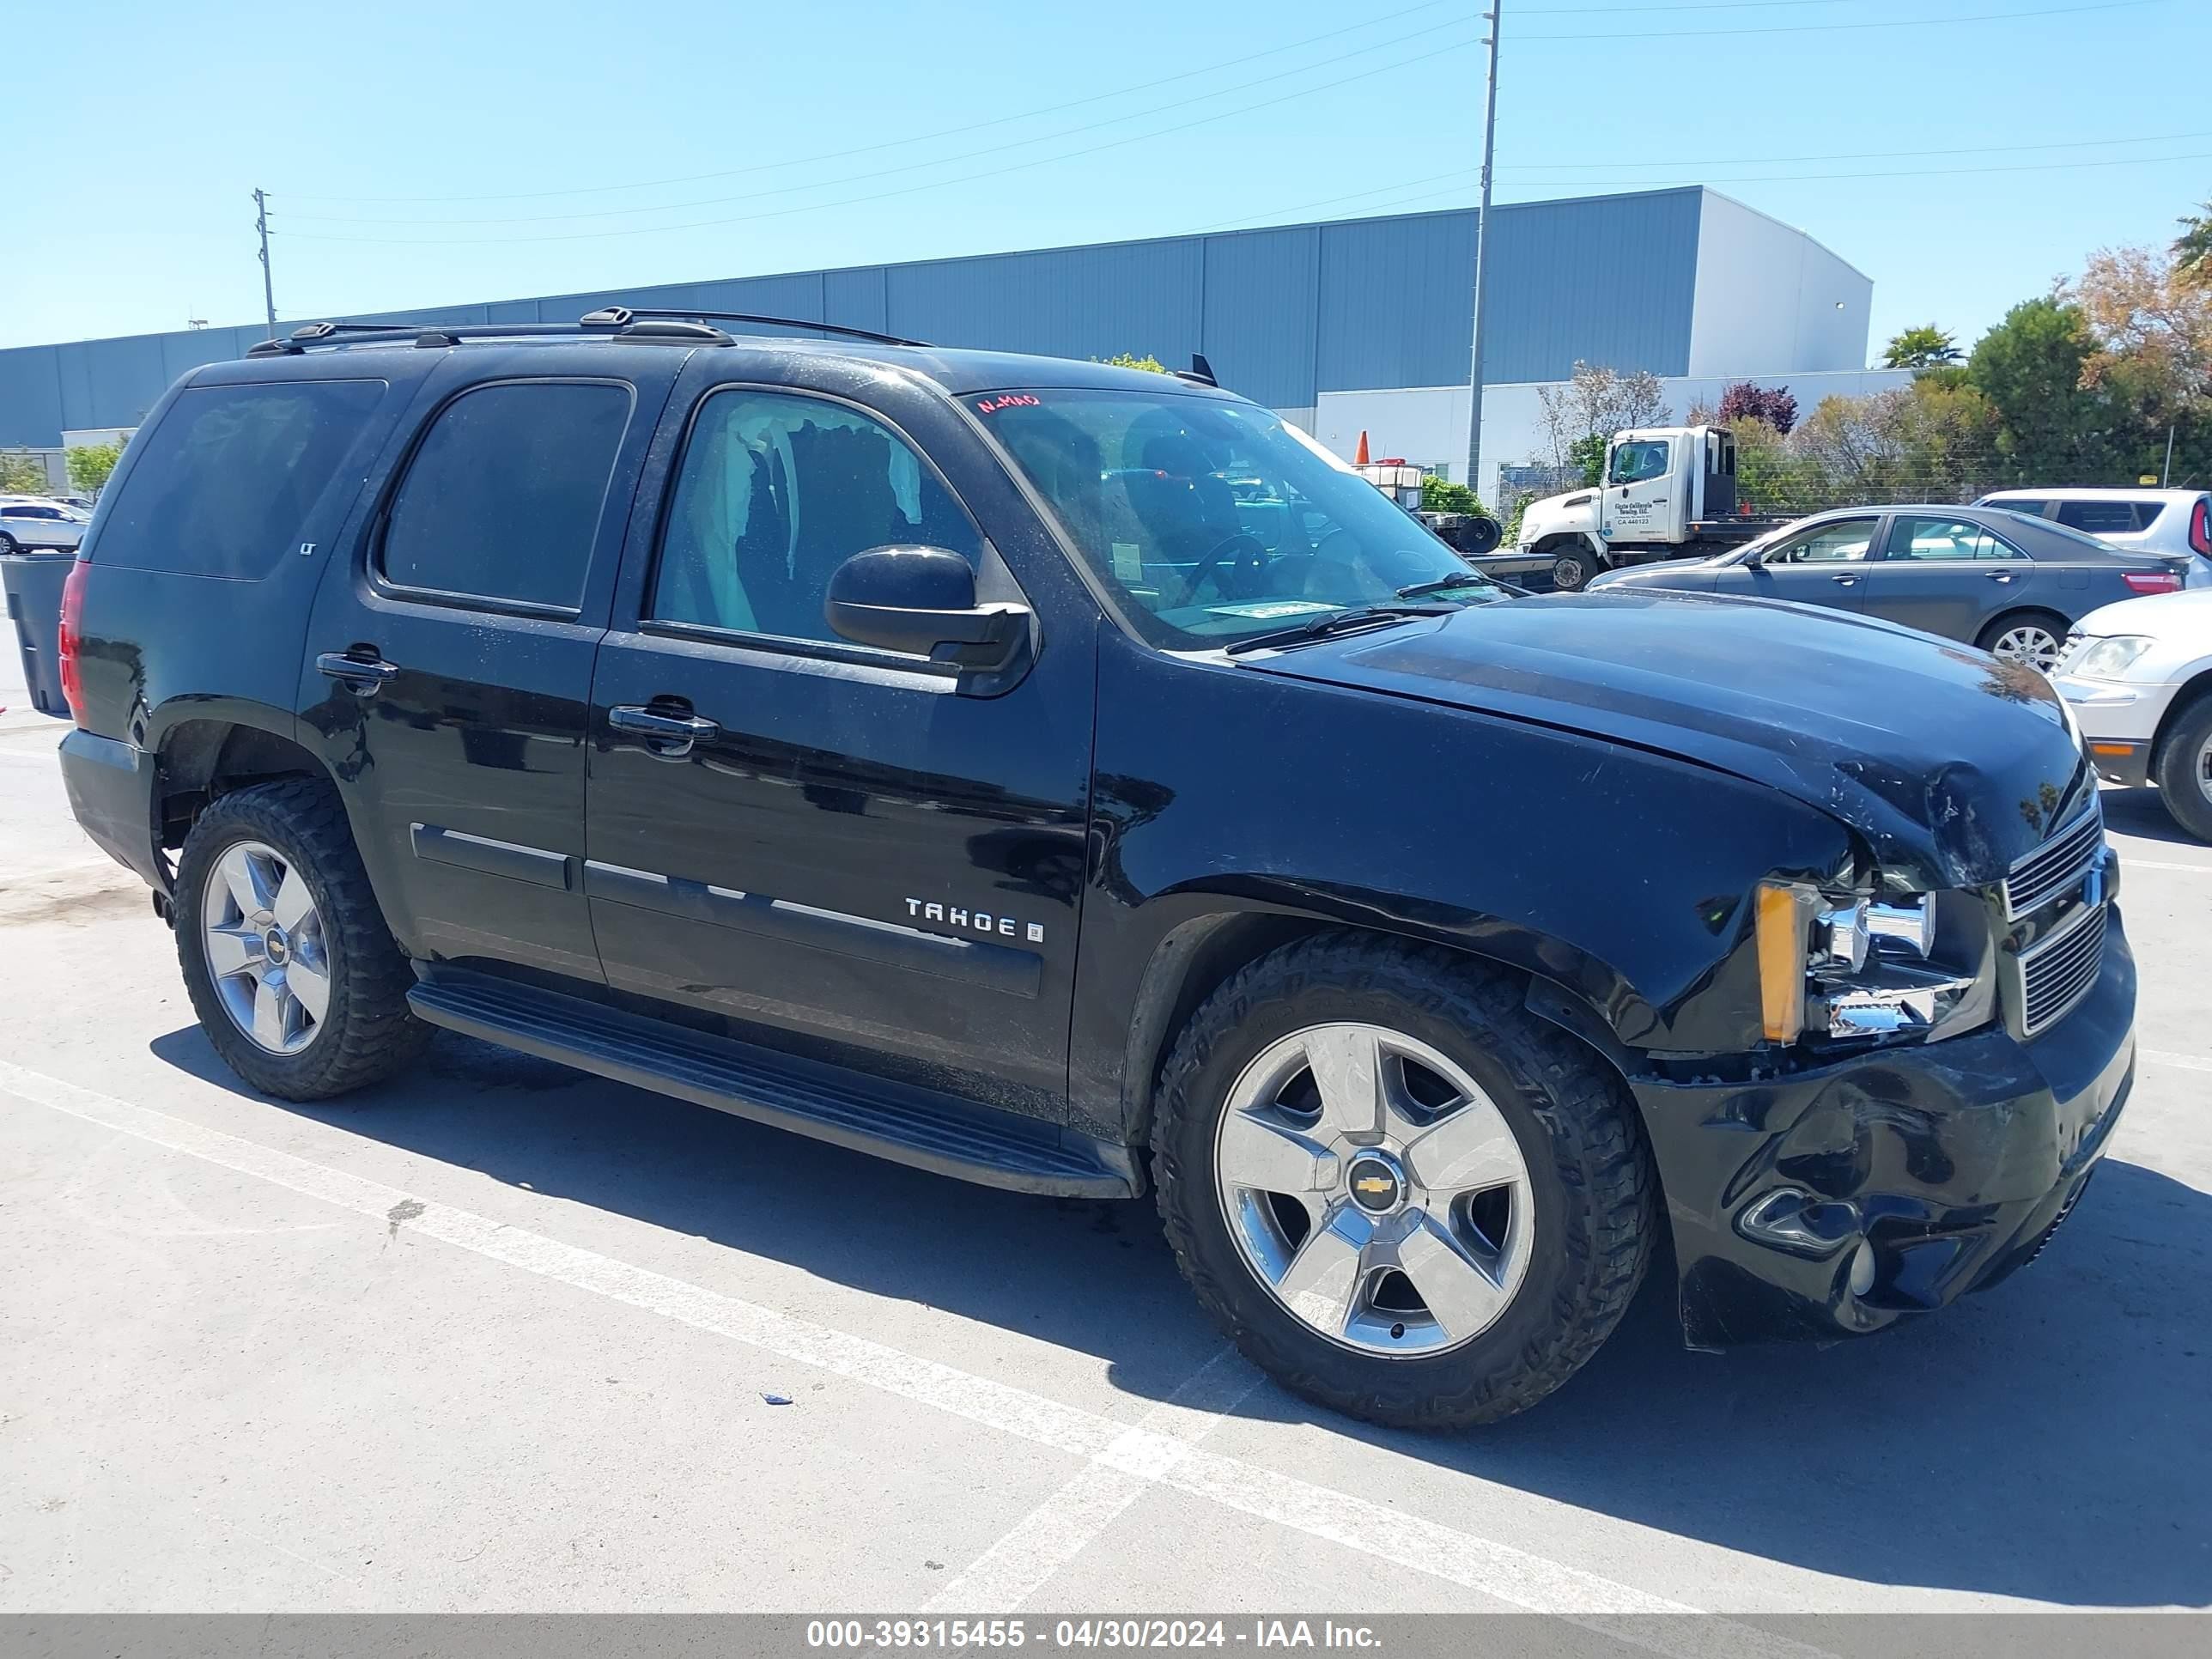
<point>1951,763</point>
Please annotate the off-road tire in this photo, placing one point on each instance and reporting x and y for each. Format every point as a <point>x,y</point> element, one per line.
<point>2173,768</point>
<point>1595,1193</point>
<point>367,1032</point>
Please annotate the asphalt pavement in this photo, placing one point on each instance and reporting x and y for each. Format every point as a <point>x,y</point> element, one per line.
<point>499,1337</point>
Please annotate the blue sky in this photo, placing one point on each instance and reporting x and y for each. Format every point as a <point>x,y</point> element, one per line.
<point>851,131</point>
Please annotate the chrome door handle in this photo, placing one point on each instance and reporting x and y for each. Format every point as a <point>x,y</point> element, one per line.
<point>668,734</point>
<point>1996,576</point>
<point>1844,581</point>
<point>362,675</point>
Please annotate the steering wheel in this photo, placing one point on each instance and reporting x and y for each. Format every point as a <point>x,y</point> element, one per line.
<point>1243,553</point>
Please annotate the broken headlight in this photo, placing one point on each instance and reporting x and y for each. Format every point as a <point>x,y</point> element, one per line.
<point>1851,965</point>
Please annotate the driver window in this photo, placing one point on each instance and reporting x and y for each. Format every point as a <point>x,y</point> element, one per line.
<point>1634,462</point>
<point>1843,543</point>
<point>775,492</point>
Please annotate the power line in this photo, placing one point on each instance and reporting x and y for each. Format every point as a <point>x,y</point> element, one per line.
<point>922,137</point>
<point>1889,23</point>
<point>886,173</point>
<point>1427,56</point>
<point>1866,155</point>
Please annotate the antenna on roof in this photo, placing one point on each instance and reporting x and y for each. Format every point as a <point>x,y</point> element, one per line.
<point>1200,372</point>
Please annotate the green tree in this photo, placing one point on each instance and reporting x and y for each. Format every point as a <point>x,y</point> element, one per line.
<point>22,474</point>
<point>1923,346</point>
<point>1442,496</point>
<point>2051,428</point>
<point>1588,452</point>
<point>1149,363</point>
<point>90,465</point>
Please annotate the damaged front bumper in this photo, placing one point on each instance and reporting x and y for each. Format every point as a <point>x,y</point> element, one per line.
<point>1837,1198</point>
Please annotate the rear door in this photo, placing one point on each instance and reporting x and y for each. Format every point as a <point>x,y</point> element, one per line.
<point>1823,564</point>
<point>1950,576</point>
<point>838,849</point>
<point>449,659</point>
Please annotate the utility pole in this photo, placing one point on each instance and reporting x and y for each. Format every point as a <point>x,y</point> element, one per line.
<point>268,287</point>
<point>1482,252</point>
<point>2165,478</point>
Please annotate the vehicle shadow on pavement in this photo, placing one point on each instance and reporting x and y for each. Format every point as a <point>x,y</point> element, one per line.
<point>2141,813</point>
<point>2051,1439</point>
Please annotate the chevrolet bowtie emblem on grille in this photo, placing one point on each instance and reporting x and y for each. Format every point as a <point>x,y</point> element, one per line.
<point>976,921</point>
<point>1378,1185</point>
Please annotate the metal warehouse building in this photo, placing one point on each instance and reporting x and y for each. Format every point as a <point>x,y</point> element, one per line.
<point>1349,325</point>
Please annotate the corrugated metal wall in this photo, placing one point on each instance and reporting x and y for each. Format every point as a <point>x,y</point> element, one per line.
<point>1283,313</point>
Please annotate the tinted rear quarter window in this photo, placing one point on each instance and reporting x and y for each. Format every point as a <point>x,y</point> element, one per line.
<point>225,482</point>
<point>2098,518</point>
<point>503,496</point>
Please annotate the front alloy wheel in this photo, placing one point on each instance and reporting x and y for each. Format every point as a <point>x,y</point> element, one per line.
<point>1374,1189</point>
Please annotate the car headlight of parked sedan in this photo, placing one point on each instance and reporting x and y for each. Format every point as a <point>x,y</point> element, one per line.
<point>2109,658</point>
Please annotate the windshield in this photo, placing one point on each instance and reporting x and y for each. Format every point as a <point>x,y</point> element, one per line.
<point>1210,522</point>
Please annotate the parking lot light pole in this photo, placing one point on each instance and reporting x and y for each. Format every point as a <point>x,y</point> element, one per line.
<point>1482,251</point>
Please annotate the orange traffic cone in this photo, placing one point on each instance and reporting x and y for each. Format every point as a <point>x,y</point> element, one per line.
<point>1359,455</point>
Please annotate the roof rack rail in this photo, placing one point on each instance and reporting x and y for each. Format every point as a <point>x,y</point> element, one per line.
<point>451,334</point>
<point>622,316</point>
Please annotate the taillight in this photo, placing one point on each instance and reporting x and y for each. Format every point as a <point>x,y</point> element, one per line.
<point>72,620</point>
<point>2200,526</point>
<point>2151,581</point>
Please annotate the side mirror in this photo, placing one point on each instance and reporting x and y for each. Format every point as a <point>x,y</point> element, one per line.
<point>921,601</point>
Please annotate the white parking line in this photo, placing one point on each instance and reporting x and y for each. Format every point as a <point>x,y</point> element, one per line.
<point>2127,863</point>
<point>2187,1062</point>
<point>1061,1527</point>
<point>1514,1576</point>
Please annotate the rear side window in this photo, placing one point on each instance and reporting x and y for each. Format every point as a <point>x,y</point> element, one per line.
<point>2031,509</point>
<point>503,498</point>
<point>2098,518</point>
<point>224,485</point>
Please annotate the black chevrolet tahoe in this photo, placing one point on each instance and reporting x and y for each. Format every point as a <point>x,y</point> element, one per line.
<point>1072,778</point>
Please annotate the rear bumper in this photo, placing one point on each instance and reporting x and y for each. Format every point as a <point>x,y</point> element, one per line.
<point>111,790</point>
<point>1951,1163</point>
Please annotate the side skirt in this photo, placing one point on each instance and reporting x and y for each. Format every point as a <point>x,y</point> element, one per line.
<point>908,1125</point>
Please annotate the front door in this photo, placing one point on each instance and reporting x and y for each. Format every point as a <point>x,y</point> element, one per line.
<point>1824,564</point>
<point>449,659</point>
<point>1951,575</point>
<point>1640,496</point>
<point>842,850</point>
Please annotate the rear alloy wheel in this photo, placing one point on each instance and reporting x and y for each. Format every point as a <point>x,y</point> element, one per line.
<point>265,948</point>
<point>2035,641</point>
<point>2183,768</point>
<point>1399,1193</point>
<point>296,979</point>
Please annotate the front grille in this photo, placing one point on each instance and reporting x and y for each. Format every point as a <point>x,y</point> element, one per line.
<point>2058,864</point>
<point>2057,972</point>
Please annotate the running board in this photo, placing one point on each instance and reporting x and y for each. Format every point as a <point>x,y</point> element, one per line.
<point>931,1131</point>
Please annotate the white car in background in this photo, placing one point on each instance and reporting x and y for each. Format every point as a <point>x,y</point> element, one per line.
<point>2138,677</point>
<point>31,524</point>
<point>2144,521</point>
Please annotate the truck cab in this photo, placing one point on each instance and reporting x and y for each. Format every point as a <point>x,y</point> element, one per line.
<point>1665,492</point>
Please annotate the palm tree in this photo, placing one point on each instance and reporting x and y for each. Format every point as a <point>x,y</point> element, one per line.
<point>2192,249</point>
<point>1923,346</point>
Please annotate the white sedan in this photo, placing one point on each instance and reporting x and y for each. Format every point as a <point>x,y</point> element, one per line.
<point>2138,677</point>
<point>31,523</point>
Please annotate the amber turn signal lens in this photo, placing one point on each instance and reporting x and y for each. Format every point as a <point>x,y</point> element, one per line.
<point>1783,921</point>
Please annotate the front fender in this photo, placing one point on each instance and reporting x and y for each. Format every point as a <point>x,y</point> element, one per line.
<point>1622,877</point>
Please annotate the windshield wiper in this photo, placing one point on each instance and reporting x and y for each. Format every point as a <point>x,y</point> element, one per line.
<point>1445,584</point>
<point>1337,622</point>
